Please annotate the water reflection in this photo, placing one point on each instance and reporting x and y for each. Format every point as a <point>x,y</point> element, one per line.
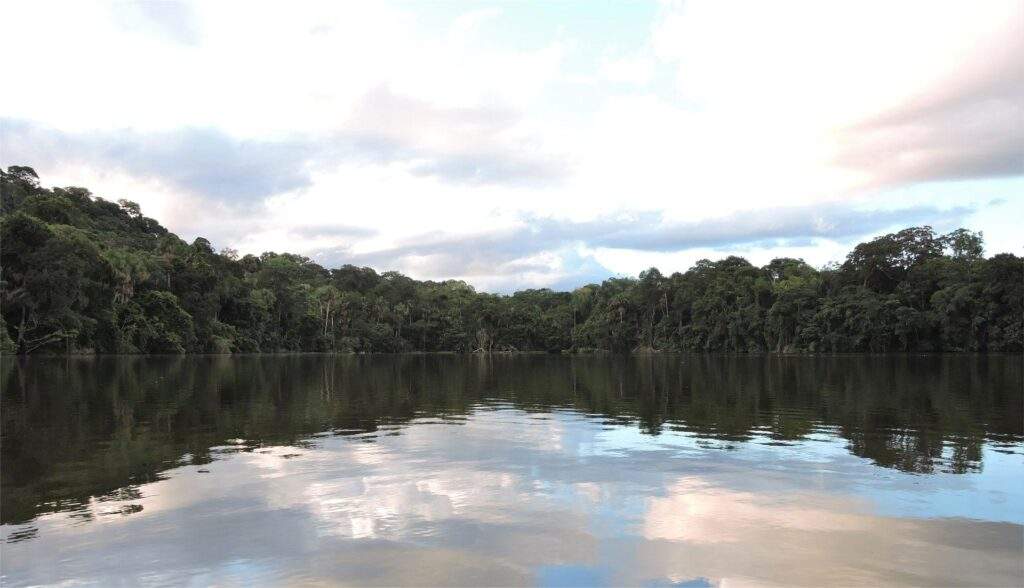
<point>513,470</point>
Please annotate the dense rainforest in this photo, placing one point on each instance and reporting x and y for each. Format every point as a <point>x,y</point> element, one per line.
<point>81,274</point>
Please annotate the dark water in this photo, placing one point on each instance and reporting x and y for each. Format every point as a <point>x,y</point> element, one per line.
<point>439,470</point>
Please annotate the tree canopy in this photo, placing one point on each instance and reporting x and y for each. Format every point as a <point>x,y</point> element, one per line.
<point>80,274</point>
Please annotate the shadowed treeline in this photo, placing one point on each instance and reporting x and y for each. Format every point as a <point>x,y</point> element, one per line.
<point>84,275</point>
<point>78,428</point>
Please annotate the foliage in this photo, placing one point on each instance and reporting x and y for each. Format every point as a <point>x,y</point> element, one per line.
<point>81,274</point>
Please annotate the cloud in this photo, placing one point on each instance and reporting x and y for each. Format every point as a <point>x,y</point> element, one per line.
<point>549,247</point>
<point>780,225</point>
<point>917,91</point>
<point>314,231</point>
<point>493,263</point>
<point>172,20</point>
<point>628,70</point>
<point>467,26</point>
<point>502,145</point>
<point>204,162</point>
<point>477,146</point>
<point>970,127</point>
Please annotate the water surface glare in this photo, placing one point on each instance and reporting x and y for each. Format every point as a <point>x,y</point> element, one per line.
<point>682,470</point>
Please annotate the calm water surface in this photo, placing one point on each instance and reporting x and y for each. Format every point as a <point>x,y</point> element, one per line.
<point>427,470</point>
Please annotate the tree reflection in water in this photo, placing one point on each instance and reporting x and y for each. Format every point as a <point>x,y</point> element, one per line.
<point>78,429</point>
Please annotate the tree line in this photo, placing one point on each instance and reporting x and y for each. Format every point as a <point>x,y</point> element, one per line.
<point>81,274</point>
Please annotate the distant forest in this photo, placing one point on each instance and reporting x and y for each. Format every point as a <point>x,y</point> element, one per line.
<point>80,274</point>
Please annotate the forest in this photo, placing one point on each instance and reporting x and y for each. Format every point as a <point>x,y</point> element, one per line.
<point>83,275</point>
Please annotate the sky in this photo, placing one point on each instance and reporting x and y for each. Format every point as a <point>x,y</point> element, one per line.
<point>520,145</point>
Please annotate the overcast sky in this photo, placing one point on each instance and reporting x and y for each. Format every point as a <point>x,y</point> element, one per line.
<point>517,144</point>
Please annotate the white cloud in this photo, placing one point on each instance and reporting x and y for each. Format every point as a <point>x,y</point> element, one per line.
<point>630,70</point>
<point>805,77</point>
<point>373,117</point>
